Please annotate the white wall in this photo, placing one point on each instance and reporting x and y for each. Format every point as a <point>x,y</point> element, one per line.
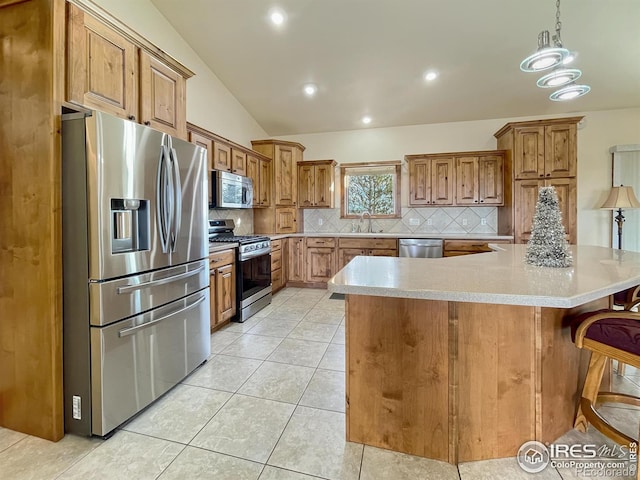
<point>598,132</point>
<point>209,103</point>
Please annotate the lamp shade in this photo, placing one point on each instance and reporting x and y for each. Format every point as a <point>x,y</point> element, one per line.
<point>621,197</point>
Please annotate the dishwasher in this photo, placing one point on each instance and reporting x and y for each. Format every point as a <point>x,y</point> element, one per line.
<point>420,247</point>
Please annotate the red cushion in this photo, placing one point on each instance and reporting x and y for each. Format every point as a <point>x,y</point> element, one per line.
<point>620,333</point>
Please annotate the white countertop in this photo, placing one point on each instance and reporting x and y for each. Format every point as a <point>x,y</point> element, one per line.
<point>499,277</point>
<point>219,246</point>
<point>457,236</point>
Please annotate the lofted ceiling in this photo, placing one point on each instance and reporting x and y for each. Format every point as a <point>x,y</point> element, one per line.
<point>368,57</point>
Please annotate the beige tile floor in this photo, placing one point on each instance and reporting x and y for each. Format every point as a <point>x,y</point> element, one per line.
<point>268,405</point>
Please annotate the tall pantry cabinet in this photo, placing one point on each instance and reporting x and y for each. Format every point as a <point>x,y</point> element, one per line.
<point>281,216</point>
<point>543,153</point>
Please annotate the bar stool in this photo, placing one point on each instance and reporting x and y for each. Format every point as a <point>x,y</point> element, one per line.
<point>608,334</point>
<point>627,299</point>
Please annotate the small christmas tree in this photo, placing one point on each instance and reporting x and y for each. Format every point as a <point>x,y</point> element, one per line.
<point>547,246</point>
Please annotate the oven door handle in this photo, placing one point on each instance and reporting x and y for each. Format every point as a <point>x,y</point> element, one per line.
<point>255,253</point>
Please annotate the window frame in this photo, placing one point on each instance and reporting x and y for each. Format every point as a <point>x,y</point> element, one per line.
<point>398,182</point>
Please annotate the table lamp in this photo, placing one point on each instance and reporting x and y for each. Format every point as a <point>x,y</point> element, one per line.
<point>619,198</point>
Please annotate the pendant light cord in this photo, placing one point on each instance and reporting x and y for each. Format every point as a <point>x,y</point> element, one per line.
<point>556,38</point>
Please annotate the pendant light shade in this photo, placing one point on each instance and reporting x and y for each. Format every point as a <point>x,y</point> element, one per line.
<point>545,57</point>
<point>555,57</point>
<point>559,77</point>
<point>569,92</point>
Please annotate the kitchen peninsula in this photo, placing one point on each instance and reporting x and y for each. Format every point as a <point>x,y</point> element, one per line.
<point>466,358</point>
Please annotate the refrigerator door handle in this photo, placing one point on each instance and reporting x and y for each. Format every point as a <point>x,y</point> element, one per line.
<point>177,212</point>
<point>131,330</point>
<point>162,281</point>
<point>161,195</point>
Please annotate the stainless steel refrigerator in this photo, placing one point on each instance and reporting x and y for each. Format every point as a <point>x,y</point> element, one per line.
<point>136,275</point>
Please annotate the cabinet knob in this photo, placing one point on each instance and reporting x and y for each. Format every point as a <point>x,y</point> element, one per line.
<point>481,201</point>
<point>147,123</point>
<point>132,117</point>
<point>475,201</point>
<point>542,175</point>
<point>548,174</point>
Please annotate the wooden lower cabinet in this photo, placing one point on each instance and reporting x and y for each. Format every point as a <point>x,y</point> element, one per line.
<point>348,248</point>
<point>223,287</point>
<point>277,265</point>
<point>320,264</point>
<point>296,263</point>
<point>454,248</point>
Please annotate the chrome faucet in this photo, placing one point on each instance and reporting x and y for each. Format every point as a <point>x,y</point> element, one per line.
<point>369,229</point>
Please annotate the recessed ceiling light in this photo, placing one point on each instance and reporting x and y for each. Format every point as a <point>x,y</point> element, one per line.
<point>366,119</point>
<point>310,89</point>
<point>430,76</point>
<point>277,17</point>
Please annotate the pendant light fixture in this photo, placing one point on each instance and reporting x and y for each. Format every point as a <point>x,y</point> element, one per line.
<point>555,57</point>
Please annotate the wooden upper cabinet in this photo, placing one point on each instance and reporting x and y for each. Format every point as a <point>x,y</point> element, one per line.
<point>464,178</point>
<point>560,150</point>
<point>163,100</point>
<point>221,156</point>
<point>265,183</point>
<point>204,142</point>
<point>258,170</point>
<point>238,162</point>
<point>315,183</point>
<point>545,151</point>
<point>286,181</point>
<point>102,66</point>
<point>480,179</point>
<point>491,179</point>
<point>286,220</point>
<point>528,153</point>
<point>306,185</point>
<point>467,180</point>
<point>112,69</point>
<point>419,182</point>
<point>430,180</point>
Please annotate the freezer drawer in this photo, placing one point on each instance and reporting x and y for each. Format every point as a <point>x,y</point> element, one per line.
<point>124,297</point>
<point>135,361</point>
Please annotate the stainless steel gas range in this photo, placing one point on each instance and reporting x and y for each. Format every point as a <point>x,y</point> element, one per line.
<point>253,267</point>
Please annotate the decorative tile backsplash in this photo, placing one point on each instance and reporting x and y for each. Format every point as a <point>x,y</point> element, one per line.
<point>243,217</point>
<point>448,220</point>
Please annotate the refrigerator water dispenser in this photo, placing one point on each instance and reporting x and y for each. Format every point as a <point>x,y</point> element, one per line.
<point>130,225</point>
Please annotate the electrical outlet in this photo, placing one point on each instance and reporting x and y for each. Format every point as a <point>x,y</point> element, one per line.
<point>414,222</point>
<point>464,222</point>
<point>77,407</point>
<point>483,221</point>
<point>320,221</point>
<point>429,221</point>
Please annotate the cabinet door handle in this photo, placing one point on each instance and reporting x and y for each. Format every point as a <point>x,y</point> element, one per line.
<point>132,117</point>
<point>147,123</point>
<point>475,201</point>
<point>215,260</point>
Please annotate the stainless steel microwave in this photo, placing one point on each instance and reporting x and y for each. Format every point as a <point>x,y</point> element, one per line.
<point>230,191</point>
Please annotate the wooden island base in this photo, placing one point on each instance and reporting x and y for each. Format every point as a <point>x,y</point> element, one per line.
<point>459,381</point>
